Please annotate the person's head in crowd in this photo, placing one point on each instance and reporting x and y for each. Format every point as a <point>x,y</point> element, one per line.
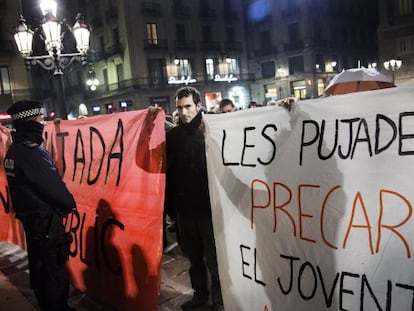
<point>188,103</point>
<point>226,105</point>
<point>25,111</point>
<point>252,104</point>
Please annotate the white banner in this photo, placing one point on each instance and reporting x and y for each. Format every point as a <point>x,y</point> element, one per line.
<point>313,209</point>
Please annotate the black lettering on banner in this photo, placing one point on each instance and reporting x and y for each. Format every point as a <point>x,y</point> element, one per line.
<point>76,159</point>
<point>267,137</point>
<point>343,290</point>
<point>313,132</point>
<point>365,138</point>
<point>364,283</point>
<point>380,117</point>
<point>244,263</point>
<point>304,143</point>
<point>82,247</point>
<point>255,269</point>
<point>287,291</point>
<point>321,141</point>
<point>90,254</point>
<point>222,151</point>
<point>243,250</point>
<point>404,136</point>
<point>105,227</point>
<point>116,155</point>
<point>328,298</point>
<point>350,135</point>
<point>409,287</point>
<point>245,145</point>
<point>74,223</point>
<point>315,282</point>
<point>92,143</point>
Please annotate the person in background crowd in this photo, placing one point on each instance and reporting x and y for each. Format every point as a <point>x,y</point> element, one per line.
<point>226,105</point>
<point>187,194</point>
<point>40,200</point>
<point>252,104</point>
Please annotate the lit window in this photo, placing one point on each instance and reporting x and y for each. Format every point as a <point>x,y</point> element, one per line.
<point>5,87</point>
<point>210,68</point>
<point>152,34</point>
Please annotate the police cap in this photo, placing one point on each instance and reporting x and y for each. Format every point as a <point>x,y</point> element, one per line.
<point>24,109</point>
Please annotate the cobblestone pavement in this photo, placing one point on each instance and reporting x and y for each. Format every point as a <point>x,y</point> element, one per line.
<point>16,295</point>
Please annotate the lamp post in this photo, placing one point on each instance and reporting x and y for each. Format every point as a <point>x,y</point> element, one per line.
<point>393,65</point>
<point>51,33</point>
<point>92,81</point>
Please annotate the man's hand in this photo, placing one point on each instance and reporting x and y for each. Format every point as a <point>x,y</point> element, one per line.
<point>287,102</point>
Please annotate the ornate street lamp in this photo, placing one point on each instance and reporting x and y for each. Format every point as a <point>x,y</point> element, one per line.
<point>51,33</point>
<point>92,81</point>
<point>393,65</point>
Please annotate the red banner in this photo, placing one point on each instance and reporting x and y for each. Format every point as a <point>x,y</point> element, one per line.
<point>114,167</point>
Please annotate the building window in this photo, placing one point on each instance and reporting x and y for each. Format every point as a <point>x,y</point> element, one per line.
<point>265,40</point>
<point>230,34</point>
<point>296,65</point>
<point>293,30</point>
<point>210,68</point>
<point>405,45</point>
<point>268,70</point>
<point>206,30</point>
<point>120,72</point>
<point>5,87</point>
<point>152,34</point>
<point>180,32</point>
<point>405,7</point>
<point>156,71</point>
<point>184,67</point>
<point>233,66</point>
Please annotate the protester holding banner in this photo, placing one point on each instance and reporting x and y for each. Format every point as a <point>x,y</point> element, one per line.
<point>226,105</point>
<point>188,194</point>
<point>40,201</point>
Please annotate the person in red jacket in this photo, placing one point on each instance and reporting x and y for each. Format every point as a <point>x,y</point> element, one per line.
<point>40,200</point>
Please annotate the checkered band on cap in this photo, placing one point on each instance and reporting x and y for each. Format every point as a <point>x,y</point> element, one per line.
<point>27,113</point>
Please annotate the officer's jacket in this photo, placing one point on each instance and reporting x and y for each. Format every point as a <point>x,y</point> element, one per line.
<point>35,184</point>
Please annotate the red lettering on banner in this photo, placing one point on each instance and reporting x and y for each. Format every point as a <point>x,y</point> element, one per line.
<point>281,201</point>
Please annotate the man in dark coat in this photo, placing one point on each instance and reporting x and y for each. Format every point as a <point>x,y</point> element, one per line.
<point>40,201</point>
<point>187,195</point>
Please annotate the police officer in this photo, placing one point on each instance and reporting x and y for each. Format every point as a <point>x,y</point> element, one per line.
<point>40,201</point>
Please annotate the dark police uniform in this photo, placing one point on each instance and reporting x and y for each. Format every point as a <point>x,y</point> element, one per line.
<point>40,201</point>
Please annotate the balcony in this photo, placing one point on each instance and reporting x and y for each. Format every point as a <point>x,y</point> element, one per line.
<point>210,45</point>
<point>108,52</point>
<point>295,45</point>
<point>151,9</point>
<point>265,22</point>
<point>184,44</point>
<point>231,16</point>
<point>155,44</point>
<point>266,50</point>
<point>232,46</point>
<point>291,12</point>
<point>180,11</point>
<point>207,14</point>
